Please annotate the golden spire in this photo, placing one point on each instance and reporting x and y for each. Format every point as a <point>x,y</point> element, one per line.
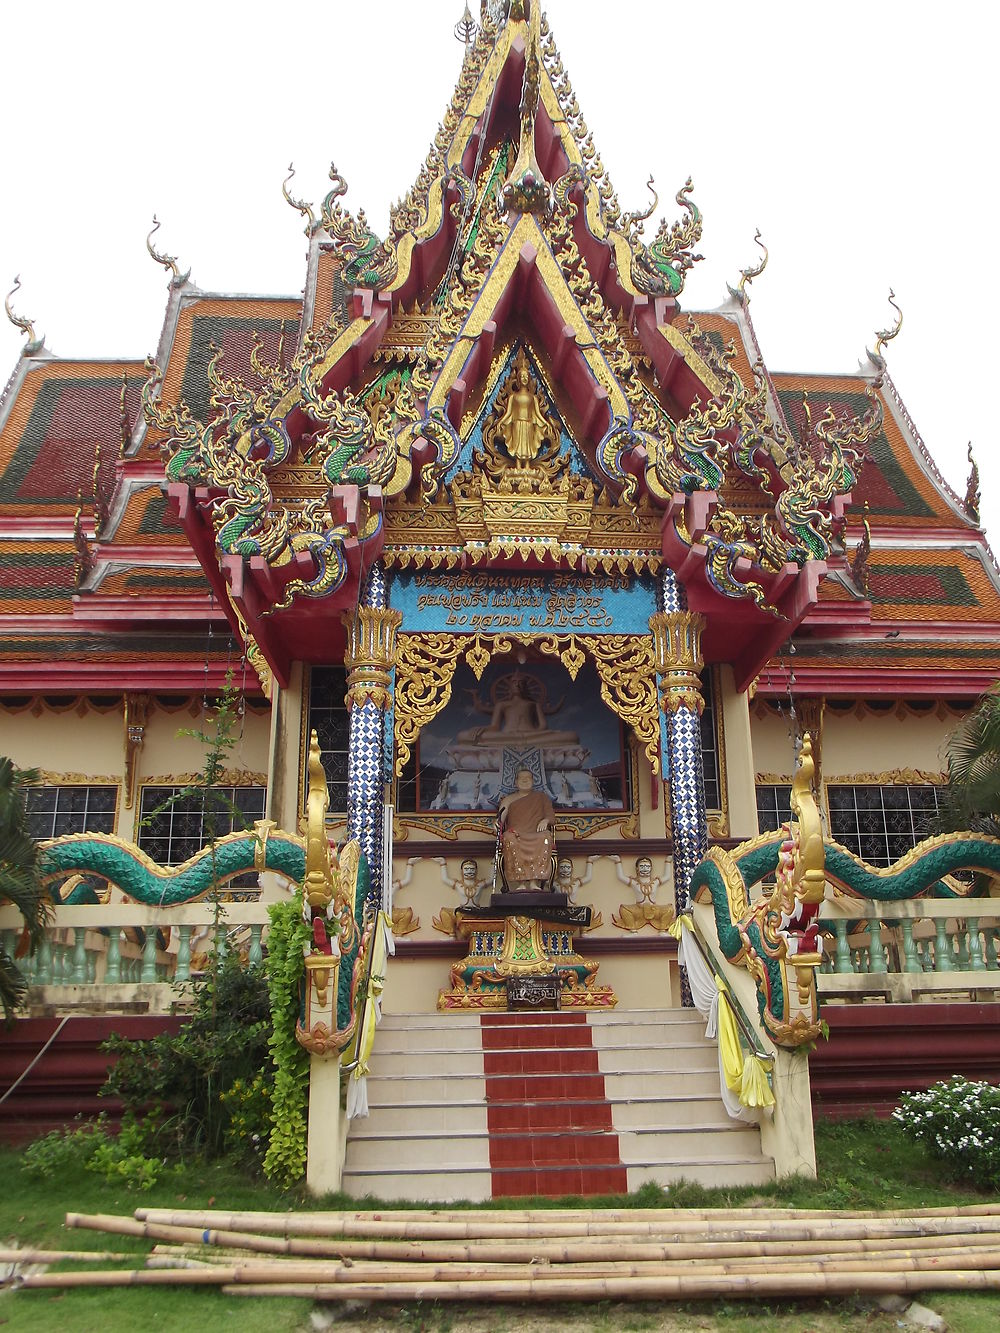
<point>526,190</point>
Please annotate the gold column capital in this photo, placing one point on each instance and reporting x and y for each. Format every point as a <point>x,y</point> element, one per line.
<point>370,654</point>
<point>677,653</point>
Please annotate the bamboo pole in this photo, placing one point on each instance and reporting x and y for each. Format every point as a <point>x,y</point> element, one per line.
<point>31,1256</point>
<point>519,1215</point>
<point>443,1284</point>
<point>733,1227</point>
<point>524,1250</point>
<point>681,1286</point>
<point>320,1271</point>
<point>696,1287</point>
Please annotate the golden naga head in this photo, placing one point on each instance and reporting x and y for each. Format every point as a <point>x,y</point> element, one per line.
<point>808,873</point>
<point>320,884</point>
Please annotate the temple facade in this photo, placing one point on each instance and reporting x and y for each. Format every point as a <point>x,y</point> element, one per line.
<point>488,500</point>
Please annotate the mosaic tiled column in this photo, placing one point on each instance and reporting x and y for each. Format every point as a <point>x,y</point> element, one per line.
<point>677,645</point>
<point>370,653</point>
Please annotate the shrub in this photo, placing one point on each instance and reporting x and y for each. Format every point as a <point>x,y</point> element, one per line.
<point>186,1075</point>
<point>120,1158</point>
<point>958,1121</point>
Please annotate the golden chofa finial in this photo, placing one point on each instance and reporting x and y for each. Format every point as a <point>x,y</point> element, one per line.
<point>748,274</point>
<point>300,205</point>
<point>466,28</point>
<point>971,502</point>
<point>885,336</point>
<point>177,278</point>
<point>33,345</point>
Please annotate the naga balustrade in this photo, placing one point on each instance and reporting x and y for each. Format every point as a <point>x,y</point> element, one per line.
<point>112,957</point>
<point>903,951</point>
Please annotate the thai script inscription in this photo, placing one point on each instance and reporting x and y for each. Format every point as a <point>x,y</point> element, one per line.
<point>488,602</point>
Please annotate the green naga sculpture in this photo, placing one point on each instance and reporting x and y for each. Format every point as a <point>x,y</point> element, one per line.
<point>334,891</point>
<point>777,938</point>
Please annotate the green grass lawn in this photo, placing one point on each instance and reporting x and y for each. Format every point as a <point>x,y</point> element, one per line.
<point>861,1165</point>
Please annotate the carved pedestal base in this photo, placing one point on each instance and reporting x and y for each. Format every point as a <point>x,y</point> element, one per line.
<point>507,947</point>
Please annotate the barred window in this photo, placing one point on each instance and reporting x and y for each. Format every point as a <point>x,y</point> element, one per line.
<point>773,805</point>
<point>710,744</point>
<point>329,719</point>
<point>54,811</point>
<point>881,824</point>
<point>170,833</point>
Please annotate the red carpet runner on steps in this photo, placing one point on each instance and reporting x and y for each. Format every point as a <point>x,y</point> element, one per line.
<point>549,1118</point>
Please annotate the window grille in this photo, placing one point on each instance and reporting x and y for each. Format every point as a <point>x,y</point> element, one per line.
<point>881,824</point>
<point>55,811</point>
<point>328,717</point>
<point>773,805</point>
<point>181,829</point>
<point>710,744</point>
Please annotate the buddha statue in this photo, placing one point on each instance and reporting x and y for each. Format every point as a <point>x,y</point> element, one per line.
<point>527,835</point>
<point>517,720</point>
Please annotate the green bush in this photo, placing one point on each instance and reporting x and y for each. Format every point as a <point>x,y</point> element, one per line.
<point>120,1158</point>
<point>186,1077</point>
<point>958,1121</point>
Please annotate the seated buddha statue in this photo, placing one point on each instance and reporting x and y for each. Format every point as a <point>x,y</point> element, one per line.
<point>527,835</point>
<point>518,721</point>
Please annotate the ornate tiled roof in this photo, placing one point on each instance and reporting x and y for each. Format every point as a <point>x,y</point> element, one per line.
<point>145,582</point>
<point>939,584</point>
<point>899,491</point>
<point>229,323</point>
<point>145,521</point>
<point>36,578</point>
<point>61,413</point>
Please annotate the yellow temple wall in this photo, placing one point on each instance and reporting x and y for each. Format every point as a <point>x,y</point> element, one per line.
<point>83,745</point>
<point>866,748</point>
<point>881,745</point>
<point>737,747</point>
<point>66,746</point>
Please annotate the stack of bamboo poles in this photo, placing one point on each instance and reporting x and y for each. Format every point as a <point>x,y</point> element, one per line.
<point>553,1255</point>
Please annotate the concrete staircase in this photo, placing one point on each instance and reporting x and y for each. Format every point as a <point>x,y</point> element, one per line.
<point>476,1107</point>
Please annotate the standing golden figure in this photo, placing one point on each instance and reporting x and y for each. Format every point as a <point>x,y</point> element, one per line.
<point>523,425</point>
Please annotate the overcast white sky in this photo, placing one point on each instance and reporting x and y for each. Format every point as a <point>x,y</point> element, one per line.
<point>859,136</point>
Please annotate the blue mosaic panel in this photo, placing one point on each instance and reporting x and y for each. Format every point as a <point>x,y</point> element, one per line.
<point>540,604</point>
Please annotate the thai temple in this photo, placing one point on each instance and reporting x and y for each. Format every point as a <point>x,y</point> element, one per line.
<point>557,621</point>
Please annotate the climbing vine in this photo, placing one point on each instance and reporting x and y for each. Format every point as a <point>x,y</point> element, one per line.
<point>285,1160</point>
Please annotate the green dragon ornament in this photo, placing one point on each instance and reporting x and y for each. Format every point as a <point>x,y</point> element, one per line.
<point>776,939</point>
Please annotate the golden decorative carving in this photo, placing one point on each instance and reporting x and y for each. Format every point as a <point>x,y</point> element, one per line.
<point>318,887</point>
<point>634,916</point>
<point>445,921</point>
<point>628,684</point>
<point>135,709</point>
<point>229,777</point>
<point>523,953</point>
<point>810,714</point>
<point>425,668</point>
<point>772,779</point>
<point>677,649</point>
<point>527,432</point>
<point>51,778</point>
<point>908,777</point>
<point>404,922</point>
<point>370,654</point>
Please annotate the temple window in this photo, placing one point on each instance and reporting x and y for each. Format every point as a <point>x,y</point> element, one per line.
<point>55,811</point>
<point>881,824</point>
<point>329,719</point>
<point>179,830</point>
<point>773,808</point>
<point>710,743</point>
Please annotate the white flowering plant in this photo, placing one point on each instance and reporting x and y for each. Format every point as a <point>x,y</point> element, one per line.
<point>958,1121</point>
